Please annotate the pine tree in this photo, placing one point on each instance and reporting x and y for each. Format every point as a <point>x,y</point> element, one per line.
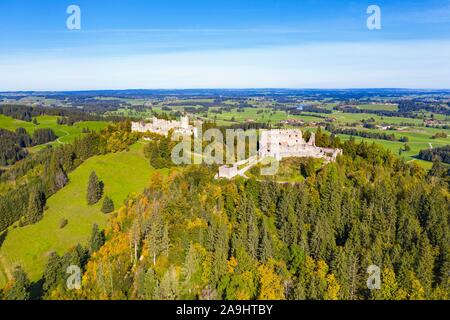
<point>286,219</point>
<point>150,284</point>
<point>108,205</point>
<point>60,179</point>
<point>169,287</point>
<point>267,197</point>
<point>157,239</point>
<point>438,169</point>
<point>97,239</point>
<point>52,272</point>
<point>307,167</point>
<point>35,208</point>
<point>265,250</point>
<point>94,190</point>
<point>20,287</point>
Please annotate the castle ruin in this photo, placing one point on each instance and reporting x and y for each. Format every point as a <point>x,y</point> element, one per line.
<point>281,144</point>
<point>162,127</point>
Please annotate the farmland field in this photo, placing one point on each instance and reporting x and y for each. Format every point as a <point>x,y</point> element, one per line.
<point>419,136</point>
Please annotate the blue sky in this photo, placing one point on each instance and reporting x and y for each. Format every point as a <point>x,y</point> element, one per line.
<point>223,44</point>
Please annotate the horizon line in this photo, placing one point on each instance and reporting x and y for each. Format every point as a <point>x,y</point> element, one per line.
<point>230,89</point>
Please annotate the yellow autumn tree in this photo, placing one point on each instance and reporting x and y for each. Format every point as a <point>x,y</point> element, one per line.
<point>232,264</point>
<point>270,283</point>
<point>389,286</point>
<point>333,288</point>
<point>417,291</point>
<point>100,281</point>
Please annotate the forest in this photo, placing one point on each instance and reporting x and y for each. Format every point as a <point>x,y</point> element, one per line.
<point>68,116</point>
<point>443,153</point>
<point>189,236</point>
<point>13,144</point>
<point>413,105</point>
<point>359,133</point>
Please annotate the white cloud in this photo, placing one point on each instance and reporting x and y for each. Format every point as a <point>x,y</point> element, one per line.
<point>427,16</point>
<point>412,64</point>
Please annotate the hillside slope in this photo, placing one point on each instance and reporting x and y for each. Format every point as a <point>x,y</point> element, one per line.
<point>122,173</point>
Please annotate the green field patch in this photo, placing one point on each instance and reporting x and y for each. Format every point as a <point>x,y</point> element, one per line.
<point>249,114</point>
<point>378,107</point>
<point>395,146</point>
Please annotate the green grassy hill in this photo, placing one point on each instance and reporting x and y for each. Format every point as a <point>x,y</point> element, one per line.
<point>388,107</point>
<point>65,133</point>
<point>122,173</point>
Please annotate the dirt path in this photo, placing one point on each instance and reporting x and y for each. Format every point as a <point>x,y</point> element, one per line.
<point>67,134</point>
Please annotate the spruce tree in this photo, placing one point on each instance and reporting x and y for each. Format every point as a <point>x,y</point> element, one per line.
<point>94,190</point>
<point>108,205</point>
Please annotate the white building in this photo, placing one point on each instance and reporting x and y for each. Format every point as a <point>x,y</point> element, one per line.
<point>162,127</point>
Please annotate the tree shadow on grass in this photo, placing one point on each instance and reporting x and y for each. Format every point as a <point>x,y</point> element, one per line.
<point>36,289</point>
<point>3,237</point>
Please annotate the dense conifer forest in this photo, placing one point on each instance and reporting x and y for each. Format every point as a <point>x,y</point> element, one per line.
<point>442,153</point>
<point>13,144</point>
<point>189,236</point>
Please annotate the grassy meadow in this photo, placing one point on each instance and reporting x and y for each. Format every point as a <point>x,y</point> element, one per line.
<point>122,173</point>
<point>66,134</point>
